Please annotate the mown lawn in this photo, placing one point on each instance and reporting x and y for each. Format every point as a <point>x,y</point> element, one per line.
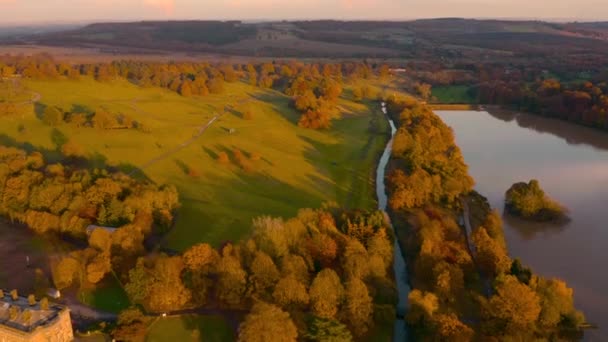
<point>297,167</point>
<point>107,296</point>
<point>453,94</point>
<point>190,328</point>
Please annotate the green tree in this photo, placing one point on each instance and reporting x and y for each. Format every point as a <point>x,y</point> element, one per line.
<point>328,331</point>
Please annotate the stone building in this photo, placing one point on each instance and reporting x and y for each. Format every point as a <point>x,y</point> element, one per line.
<point>25,321</point>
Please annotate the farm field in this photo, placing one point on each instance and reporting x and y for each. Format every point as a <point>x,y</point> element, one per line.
<point>453,94</point>
<point>295,167</point>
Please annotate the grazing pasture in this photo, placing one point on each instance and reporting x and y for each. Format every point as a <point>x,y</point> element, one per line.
<point>274,167</point>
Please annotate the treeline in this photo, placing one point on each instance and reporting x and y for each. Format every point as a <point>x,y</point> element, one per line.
<point>63,199</point>
<point>584,103</point>
<point>314,87</point>
<point>462,292</point>
<point>322,275</point>
<point>99,118</point>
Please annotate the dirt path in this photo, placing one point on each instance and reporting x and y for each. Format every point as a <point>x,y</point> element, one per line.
<point>178,148</point>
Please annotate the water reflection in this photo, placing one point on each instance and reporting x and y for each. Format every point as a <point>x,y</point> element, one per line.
<point>529,230</point>
<point>571,163</point>
<point>560,128</point>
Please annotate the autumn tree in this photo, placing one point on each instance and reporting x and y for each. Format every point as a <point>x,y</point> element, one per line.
<point>72,149</point>
<point>167,291</point>
<point>52,116</point>
<point>326,294</point>
<point>264,273</point>
<point>515,307</point>
<point>492,257</point>
<point>232,279</point>
<point>423,90</point>
<point>358,307</point>
<point>65,272</point>
<point>290,293</point>
<point>267,323</point>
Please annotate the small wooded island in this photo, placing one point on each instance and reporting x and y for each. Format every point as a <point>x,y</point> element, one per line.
<point>530,202</point>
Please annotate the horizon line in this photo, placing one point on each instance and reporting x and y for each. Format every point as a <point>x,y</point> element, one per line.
<point>262,20</point>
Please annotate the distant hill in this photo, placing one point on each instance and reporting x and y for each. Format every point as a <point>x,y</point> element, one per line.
<point>330,38</point>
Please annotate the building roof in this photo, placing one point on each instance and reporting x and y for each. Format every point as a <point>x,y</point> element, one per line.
<point>37,316</point>
<point>92,227</point>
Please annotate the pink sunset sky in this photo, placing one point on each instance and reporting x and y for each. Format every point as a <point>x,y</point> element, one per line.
<point>22,11</point>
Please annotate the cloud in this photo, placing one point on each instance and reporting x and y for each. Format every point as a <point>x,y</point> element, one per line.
<point>166,6</point>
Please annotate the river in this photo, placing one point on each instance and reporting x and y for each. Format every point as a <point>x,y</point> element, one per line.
<point>571,163</point>
<point>403,289</point>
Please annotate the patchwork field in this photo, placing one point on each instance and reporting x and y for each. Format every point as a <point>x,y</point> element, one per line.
<point>291,167</point>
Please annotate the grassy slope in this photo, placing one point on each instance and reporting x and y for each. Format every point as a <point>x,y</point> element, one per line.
<point>299,167</point>
<point>453,94</point>
<point>210,328</point>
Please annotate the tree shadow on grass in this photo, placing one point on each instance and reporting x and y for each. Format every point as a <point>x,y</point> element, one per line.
<point>39,110</point>
<point>94,160</point>
<point>280,104</point>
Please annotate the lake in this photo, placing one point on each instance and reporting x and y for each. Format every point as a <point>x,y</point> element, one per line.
<point>571,164</point>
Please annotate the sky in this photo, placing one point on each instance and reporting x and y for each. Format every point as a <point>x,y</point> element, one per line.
<point>29,11</point>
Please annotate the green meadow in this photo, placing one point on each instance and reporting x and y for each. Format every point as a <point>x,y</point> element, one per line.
<point>453,94</point>
<point>190,328</point>
<point>296,167</point>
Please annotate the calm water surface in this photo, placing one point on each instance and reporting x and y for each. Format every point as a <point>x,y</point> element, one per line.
<point>571,163</point>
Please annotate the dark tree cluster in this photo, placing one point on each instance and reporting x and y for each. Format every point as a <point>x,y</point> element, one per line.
<point>584,103</point>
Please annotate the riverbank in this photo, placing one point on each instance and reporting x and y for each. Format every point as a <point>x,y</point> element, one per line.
<point>400,331</point>
<point>570,161</point>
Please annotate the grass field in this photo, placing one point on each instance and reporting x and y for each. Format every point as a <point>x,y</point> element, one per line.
<point>298,167</point>
<point>107,296</point>
<point>453,94</point>
<point>190,328</point>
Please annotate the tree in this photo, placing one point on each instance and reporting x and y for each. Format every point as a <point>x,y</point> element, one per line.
<point>167,291</point>
<point>185,89</point>
<point>138,286</point>
<point>264,273</point>
<point>449,328</point>
<point>102,119</point>
<point>72,149</point>
<point>326,293</point>
<point>423,90</point>
<point>65,272</point>
<point>355,260</point>
<point>358,307</point>
<point>267,323</point>
<point>514,307</point>
<point>290,293</point>
<point>223,158</point>
<point>328,331</point>
<point>492,257</point>
<point>422,307</point>
<point>98,268</point>
<point>131,326</point>
<point>52,116</point>
<point>232,280</point>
